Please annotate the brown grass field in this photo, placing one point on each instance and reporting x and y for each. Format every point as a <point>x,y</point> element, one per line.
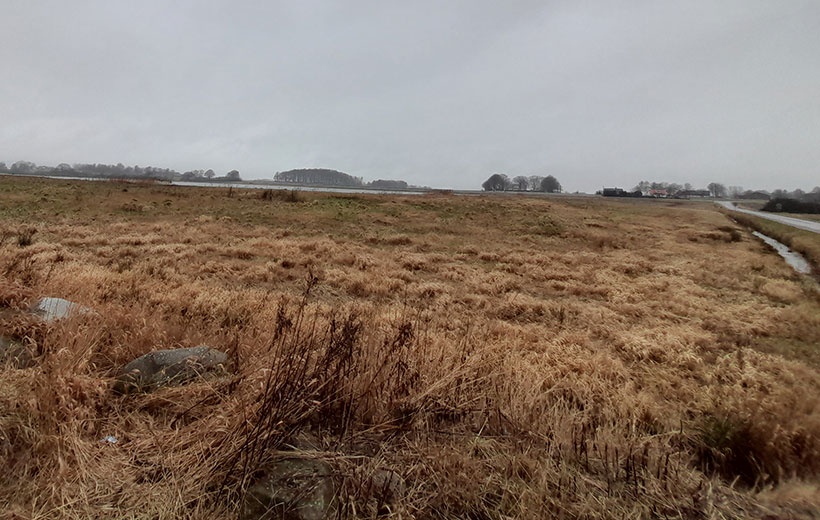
<point>509,357</point>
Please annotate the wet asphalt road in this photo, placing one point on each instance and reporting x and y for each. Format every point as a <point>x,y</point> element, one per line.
<point>808,225</point>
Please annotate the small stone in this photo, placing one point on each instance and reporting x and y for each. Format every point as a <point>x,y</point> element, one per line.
<point>293,489</point>
<point>53,309</point>
<point>17,355</point>
<point>166,367</point>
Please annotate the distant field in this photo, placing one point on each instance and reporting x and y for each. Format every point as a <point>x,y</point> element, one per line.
<point>509,357</point>
<point>756,205</point>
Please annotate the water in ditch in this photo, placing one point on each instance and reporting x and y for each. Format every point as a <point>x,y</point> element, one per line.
<point>793,259</point>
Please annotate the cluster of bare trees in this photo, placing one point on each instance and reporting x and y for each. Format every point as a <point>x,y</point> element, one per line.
<point>318,176</point>
<point>718,190</point>
<point>386,184</point>
<point>673,189</point>
<point>118,170</point>
<point>326,177</point>
<point>209,175</point>
<point>501,182</point>
<point>115,171</point>
<point>798,194</point>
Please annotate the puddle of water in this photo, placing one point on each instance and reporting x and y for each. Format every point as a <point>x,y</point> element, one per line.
<point>793,259</point>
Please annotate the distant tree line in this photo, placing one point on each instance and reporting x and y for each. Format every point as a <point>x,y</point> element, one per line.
<point>327,177</point>
<point>501,182</point>
<point>798,194</point>
<point>673,189</point>
<point>385,184</point>
<point>718,190</point>
<point>317,176</point>
<point>312,176</point>
<point>210,176</point>
<point>117,171</point>
<point>619,192</point>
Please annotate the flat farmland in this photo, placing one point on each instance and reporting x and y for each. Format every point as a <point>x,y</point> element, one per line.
<point>506,357</point>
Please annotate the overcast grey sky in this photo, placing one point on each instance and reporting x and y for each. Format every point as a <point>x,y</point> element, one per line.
<point>439,93</point>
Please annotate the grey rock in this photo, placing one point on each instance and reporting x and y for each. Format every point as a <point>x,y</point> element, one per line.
<point>293,489</point>
<point>386,486</point>
<point>53,309</point>
<point>304,441</point>
<point>15,354</point>
<point>166,367</point>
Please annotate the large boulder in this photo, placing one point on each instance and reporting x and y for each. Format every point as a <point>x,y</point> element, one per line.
<point>53,309</point>
<point>15,354</point>
<point>293,489</point>
<point>165,367</point>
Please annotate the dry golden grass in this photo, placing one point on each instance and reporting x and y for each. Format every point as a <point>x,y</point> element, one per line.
<point>509,357</point>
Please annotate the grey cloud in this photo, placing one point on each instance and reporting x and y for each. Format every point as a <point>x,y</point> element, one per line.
<point>437,93</point>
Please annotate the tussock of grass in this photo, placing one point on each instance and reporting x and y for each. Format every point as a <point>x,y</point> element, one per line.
<point>612,370</point>
<point>282,195</point>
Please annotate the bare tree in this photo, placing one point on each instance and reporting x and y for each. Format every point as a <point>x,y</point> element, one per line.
<point>716,189</point>
<point>521,182</point>
<point>735,191</point>
<point>643,187</point>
